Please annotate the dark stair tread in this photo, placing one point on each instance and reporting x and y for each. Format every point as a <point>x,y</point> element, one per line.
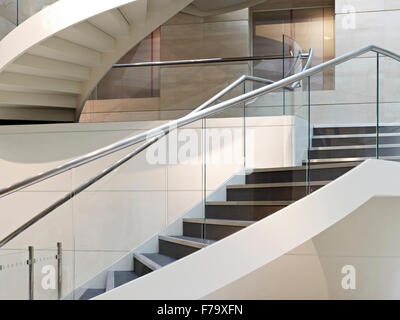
<point>249,203</point>
<point>221,222</point>
<point>359,129</point>
<point>359,146</point>
<point>91,293</point>
<point>122,277</point>
<point>302,167</point>
<point>278,185</point>
<point>350,159</point>
<point>160,259</point>
<point>188,241</point>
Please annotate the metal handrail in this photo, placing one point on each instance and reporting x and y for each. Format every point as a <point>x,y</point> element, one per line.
<point>192,117</point>
<point>202,61</point>
<point>70,195</point>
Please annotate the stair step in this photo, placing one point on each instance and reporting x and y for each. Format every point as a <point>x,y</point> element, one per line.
<point>118,278</point>
<point>220,222</point>
<point>143,265</point>
<point>180,246</point>
<point>355,129</point>
<point>213,229</point>
<point>122,277</point>
<point>357,159</point>
<point>147,262</point>
<point>355,140</point>
<point>364,129</point>
<point>160,259</point>
<point>272,191</point>
<point>91,293</point>
<point>243,210</point>
<point>354,151</point>
<point>320,172</point>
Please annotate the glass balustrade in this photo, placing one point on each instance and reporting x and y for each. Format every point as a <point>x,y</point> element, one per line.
<point>86,230</point>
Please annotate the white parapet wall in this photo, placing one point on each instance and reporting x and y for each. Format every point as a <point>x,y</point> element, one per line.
<point>131,205</point>
<point>340,242</point>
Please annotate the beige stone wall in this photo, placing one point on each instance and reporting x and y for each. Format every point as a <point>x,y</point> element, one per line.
<point>182,88</point>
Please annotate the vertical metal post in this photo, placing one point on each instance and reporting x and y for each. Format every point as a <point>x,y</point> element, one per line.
<point>283,76</point>
<point>17,22</point>
<point>244,130</point>
<point>31,262</point>
<point>309,136</point>
<point>59,270</point>
<point>204,173</point>
<point>377,105</point>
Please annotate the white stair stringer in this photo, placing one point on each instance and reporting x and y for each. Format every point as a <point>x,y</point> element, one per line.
<point>218,270</point>
<point>56,57</point>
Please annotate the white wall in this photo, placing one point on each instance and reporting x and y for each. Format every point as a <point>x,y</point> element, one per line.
<point>116,214</point>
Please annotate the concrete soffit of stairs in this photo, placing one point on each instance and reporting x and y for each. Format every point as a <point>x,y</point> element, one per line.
<point>74,44</point>
<point>201,10</point>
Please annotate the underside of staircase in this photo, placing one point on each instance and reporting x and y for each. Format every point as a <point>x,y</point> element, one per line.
<point>47,75</point>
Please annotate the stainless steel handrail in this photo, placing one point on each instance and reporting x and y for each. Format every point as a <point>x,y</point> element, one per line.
<point>160,130</point>
<point>202,61</point>
<point>127,157</point>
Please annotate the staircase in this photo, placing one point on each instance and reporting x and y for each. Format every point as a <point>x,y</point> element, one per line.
<point>265,192</point>
<point>47,75</point>
<point>335,150</point>
<point>354,143</point>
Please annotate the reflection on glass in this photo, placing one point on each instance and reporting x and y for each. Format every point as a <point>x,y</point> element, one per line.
<point>312,28</point>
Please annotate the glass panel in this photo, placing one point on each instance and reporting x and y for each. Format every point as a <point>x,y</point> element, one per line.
<point>14,274</point>
<point>135,202</point>
<point>343,120</point>
<point>292,64</point>
<point>225,136</point>
<point>388,104</point>
<point>311,27</point>
<point>43,236</point>
<point>140,82</point>
<point>166,92</point>
<point>181,89</point>
<point>45,274</point>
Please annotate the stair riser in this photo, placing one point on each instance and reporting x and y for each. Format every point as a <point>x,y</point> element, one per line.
<point>139,268</point>
<point>354,130</point>
<point>208,231</point>
<point>330,142</point>
<point>237,212</point>
<point>353,153</point>
<point>296,175</point>
<point>268,194</point>
<point>175,250</point>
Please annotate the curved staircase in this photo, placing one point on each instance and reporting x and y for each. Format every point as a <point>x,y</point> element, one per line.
<point>47,75</point>
<point>265,192</point>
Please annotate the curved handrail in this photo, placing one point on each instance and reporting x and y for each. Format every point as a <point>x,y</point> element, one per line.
<point>70,195</point>
<point>192,117</point>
